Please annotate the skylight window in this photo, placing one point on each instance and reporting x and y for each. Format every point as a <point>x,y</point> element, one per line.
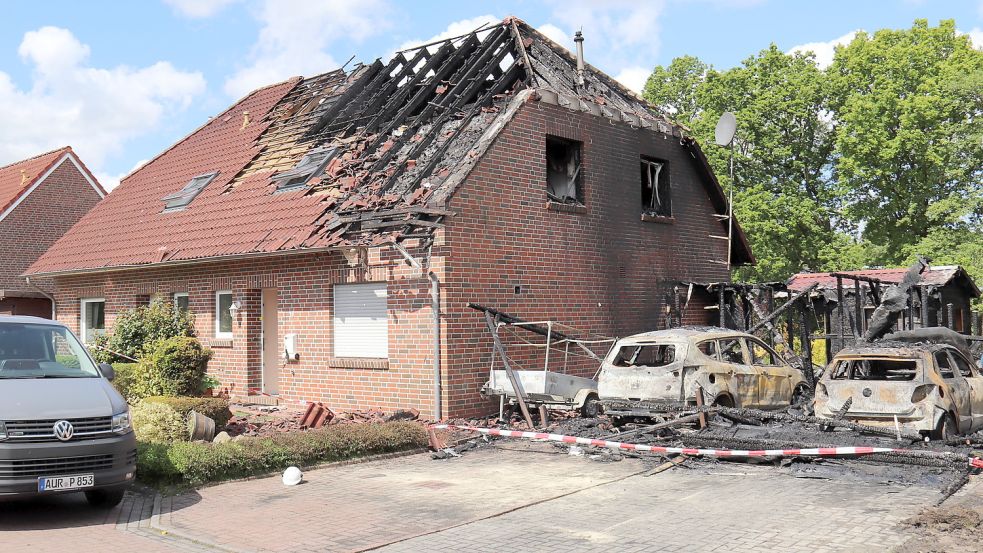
<point>311,164</point>
<point>180,199</point>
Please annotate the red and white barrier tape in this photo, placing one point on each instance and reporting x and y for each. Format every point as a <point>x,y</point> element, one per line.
<point>743,453</point>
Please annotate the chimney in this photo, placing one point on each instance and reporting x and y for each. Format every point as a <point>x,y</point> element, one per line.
<point>578,37</point>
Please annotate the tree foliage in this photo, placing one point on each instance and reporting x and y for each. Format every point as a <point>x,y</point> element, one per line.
<point>137,331</point>
<point>867,162</point>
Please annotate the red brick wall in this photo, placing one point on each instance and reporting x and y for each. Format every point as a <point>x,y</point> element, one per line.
<point>604,271</point>
<point>41,219</point>
<point>304,284</point>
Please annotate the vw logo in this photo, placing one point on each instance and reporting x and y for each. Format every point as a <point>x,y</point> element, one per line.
<point>64,430</point>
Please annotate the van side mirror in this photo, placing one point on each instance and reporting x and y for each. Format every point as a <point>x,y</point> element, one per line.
<point>107,370</point>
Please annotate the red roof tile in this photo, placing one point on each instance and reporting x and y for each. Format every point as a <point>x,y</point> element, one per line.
<point>17,178</point>
<point>936,276</point>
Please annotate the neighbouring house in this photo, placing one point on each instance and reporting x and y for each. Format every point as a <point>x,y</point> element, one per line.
<point>313,226</point>
<point>40,199</point>
<point>943,296</point>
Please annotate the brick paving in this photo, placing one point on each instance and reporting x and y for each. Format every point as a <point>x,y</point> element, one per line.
<point>527,497</point>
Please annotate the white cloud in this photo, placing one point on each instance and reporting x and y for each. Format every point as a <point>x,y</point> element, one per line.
<point>975,35</point>
<point>95,110</point>
<point>621,37</point>
<point>295,35</point>
<point>634,77</point>
<point>198,9</point>
<point>110,181</point>
<point>824,50</point>
<point>556,34</point>
<point>455,29</point>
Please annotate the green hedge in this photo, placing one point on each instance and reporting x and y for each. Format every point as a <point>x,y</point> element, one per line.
<point>215,407</point>
<point>158,423</point>
<point>125,382</point>
<point>195,463</point>
<point>175,367</point>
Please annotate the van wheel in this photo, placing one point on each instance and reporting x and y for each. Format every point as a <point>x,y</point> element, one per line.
<point>105,499</point>
<point>945,429</point>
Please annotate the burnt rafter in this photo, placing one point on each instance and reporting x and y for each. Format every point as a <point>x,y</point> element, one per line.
<point>400,129</point>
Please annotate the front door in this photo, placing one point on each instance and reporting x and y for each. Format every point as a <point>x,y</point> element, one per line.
<point>271,342</point>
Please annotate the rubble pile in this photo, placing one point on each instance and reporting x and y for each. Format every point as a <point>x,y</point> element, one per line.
<point>251,420</point>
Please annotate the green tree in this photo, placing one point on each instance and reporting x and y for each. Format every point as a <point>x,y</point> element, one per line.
<point>909,146</point>
<point>785,198</point>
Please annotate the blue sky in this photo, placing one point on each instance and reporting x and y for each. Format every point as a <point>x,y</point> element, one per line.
<point>121,81</point>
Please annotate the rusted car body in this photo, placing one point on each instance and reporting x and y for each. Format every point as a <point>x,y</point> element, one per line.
<point>643,373</point>
<point>930,388</point>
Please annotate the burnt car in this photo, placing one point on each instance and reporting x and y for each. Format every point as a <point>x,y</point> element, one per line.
<point>934,389</point>
<point>643,373</point>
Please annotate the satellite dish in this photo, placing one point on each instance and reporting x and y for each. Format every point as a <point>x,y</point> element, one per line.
<point>726,127</point>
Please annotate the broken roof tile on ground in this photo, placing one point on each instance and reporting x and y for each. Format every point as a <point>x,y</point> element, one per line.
<point>344,158</point>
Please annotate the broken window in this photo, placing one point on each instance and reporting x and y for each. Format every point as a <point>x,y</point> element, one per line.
<point>945,368</point>
<point>310,165</point>
<point>563,170</point>
<point>876,369</point>
<point>656,198</point>
<point>708,348</point>
<point>180,199</point>
<point>762,354</point>
<point>645,356</point>
<point>732,352</point>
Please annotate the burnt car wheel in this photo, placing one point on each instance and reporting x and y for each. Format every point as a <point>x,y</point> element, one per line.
<point>945,429</point>
<point>723,400</point>
<point>105,499</point>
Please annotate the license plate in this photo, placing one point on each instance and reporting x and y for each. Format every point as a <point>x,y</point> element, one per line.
<point>74,482</point>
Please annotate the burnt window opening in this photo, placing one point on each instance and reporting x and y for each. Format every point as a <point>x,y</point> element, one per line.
<point>656,355</point>
<point>656,193</point>
<point>564,177</point>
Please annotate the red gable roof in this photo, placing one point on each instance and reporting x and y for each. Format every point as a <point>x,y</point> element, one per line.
<point>17,178</point>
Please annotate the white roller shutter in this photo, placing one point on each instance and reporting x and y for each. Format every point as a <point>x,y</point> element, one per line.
<point>361,321</point>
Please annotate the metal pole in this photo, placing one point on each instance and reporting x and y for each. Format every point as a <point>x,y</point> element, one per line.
<point>730,211</point>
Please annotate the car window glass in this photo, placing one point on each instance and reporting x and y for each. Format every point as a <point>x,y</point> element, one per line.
<point>731,351</point>
<point>709,348</point>
<point>760,354</point>
<point>962,366</point>
<point>945,368</point>
<point>656,355</point>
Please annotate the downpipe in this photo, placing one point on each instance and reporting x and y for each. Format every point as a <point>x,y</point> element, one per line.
<point>54,304</point>
<point>435,308</point>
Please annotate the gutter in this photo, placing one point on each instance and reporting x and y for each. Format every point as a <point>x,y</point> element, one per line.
<point>435,308</point>
<point>54,304</point>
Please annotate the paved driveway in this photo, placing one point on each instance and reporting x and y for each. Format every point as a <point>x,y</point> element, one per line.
<point>519,496</point>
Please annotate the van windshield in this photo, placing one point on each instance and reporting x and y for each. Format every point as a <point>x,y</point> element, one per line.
<point>42,351</point>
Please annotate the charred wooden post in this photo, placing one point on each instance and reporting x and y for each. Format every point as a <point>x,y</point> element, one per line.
<point>950,315</point>
<point>858,310</point>
<point>722,305</point>
<point>923,299</point>
<point>807,348</point>
<point>699,404</point>
<point>842,313</point>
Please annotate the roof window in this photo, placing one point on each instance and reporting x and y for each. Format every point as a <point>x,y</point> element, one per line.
<point>311,164</point>
<point>180,199</point>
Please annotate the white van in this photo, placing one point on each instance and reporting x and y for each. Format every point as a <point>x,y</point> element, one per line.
<point>63,427</point>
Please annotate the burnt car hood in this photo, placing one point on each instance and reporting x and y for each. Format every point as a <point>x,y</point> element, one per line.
<point>58,398</point>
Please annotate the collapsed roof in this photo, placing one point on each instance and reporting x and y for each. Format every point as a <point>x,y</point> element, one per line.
<point>356,158</point>
<point>937,276</point>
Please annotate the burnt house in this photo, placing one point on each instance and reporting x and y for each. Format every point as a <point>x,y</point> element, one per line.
<point>40,199</point>
<point>942,297</point>
<point>328,232</point>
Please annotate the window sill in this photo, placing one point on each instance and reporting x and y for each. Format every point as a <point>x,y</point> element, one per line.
<point>220,342</point>
<point>565,208</point>
<point>358,363</point>
<point>646,218</point>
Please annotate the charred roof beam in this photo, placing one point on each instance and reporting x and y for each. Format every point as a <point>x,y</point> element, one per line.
<point>352,92</point>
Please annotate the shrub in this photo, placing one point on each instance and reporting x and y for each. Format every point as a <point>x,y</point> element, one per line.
<point>126,382</point>
<point>196,463</point>
<point>175,367</point>
<point>215,407</point>
<point>158,423</point>
<point>137,331</point>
